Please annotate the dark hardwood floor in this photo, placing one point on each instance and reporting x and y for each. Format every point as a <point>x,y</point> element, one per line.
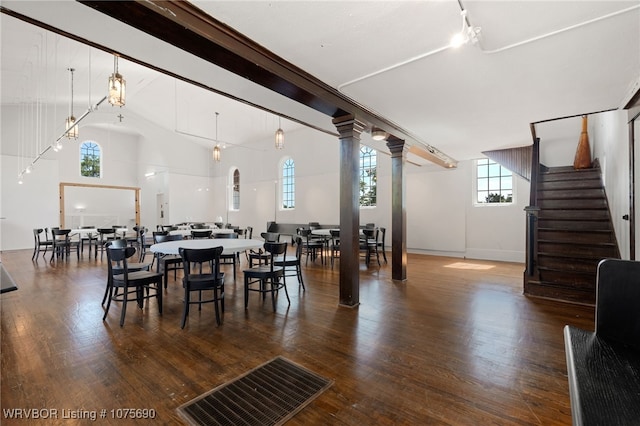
<point>456,344</point>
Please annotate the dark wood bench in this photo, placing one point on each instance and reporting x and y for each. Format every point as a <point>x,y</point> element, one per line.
<point>604,366</point>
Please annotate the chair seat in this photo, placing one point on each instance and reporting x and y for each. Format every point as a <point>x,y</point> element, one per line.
<point>140,276</point>
<point>203,281</point>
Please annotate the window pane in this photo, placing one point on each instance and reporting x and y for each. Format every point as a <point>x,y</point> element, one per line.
<point>288,184</point>
<point>494,183</point>
<point>90,160</point>
<point>368,176</point>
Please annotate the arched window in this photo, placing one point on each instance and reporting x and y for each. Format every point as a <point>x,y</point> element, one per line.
<point>90,159</point>
<point>368,176</point>
<point>235,190</point>
<point>288,184</point>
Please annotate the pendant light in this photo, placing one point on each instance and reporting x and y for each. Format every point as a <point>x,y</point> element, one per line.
<point>117,86</point>
<point>216,149</point>
<point>70,122</point>
<point>279,136</point>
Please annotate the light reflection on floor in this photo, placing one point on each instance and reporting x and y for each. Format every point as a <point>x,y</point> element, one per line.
<point>466,265</point>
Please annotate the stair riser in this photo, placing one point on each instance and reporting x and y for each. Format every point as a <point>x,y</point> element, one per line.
<point>570,184</point>
<point>568,214</point>
<point>569,264</point>
<point>589,237</point>
<point>575,225</point>
<point>577,250</point>
<point>573,204</point>
<point>568,279</point>
<point>560,293</point>
<point>571,194</point>
<point>571,175</point>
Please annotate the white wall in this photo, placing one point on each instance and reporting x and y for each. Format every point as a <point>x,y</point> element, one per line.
<point>609,137</point>
<point>441,218</point>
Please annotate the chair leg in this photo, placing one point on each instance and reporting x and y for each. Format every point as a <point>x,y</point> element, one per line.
<point>215,306</point>
<point>185,310</point>
<point>299,273</point>
<point>246,291</point>
<point>125,300</point>
<point>106,309</point>
<point>159,295</point>
<point>107,291</point>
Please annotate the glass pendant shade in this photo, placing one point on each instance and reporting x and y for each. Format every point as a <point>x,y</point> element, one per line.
<point>70,123</point>
<point>117,90</point>
<point>216,153</point>
<point>279,139</point>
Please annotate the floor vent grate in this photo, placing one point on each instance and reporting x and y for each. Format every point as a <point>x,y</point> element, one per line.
<point>267,395</point>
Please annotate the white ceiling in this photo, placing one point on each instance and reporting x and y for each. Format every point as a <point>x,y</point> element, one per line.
<point>535,60</point>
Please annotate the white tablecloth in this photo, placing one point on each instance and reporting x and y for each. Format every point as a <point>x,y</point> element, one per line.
<point>230,245</point>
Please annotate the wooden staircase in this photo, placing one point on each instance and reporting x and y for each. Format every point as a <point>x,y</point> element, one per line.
<point>573,234</point>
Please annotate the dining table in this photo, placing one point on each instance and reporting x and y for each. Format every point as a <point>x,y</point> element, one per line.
<point>187,232</point>
<point>229,245</point>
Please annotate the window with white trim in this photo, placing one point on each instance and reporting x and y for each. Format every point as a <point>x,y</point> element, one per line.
<point>90,159</point>
<point>235,190</point>
<point>288,184</point>
<point>494,183</point>
<point>368,176</point>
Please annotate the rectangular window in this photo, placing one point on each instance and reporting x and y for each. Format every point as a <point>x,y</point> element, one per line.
<point>288,185</point>
<point>494,183</point>
<point>368,176</point>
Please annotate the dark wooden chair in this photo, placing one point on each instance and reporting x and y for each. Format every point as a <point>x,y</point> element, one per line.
<point>63,243</point>
<point>231,258</point>
<point>382,242</point>
<point>200,234</point>
<point>604,366</point>
<point>259,256</point>
<point>292,264</point>
<point>369,244</point>
<point>104,235</point>
<point>200,281</point>
<point>167,262</point>
<point>141,284</point>
<point>117,268</point>
<point>268,278</point>
<point>39,243</point>
<point>334,245</point>
<point>89,238</point>
<point>313,248</point>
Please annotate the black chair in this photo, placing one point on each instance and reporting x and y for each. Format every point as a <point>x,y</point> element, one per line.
<point>167,262</point>
<point>144,243</point>
<point>200,234</point>
<point>259,255</point>
<point>117,268</point>
<point>228,259</point>
<point>313,248</point>
<point>267,276</point>
<point>200,282</point>
<point>104,235</point>
<point>62,244</point>
<point>39,243</point>
<point>334,245</point>
<point>89,238</point>
<point>369,244</point>
<point>381,243</point>
<point>292,264</point>
<point>142,284</point>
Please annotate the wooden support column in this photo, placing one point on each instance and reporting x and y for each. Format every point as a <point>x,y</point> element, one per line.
<point>398,212</point>
<point>349,129</point>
